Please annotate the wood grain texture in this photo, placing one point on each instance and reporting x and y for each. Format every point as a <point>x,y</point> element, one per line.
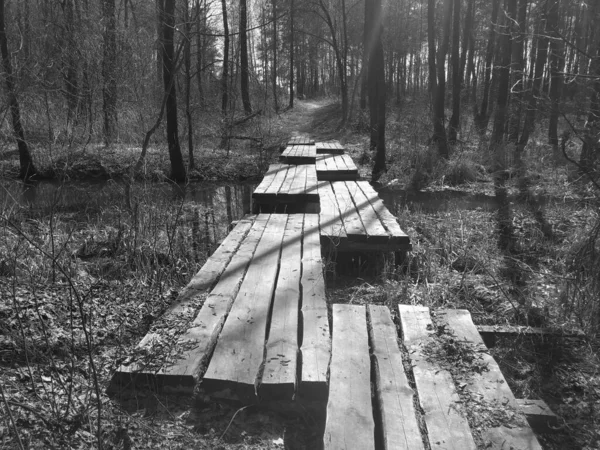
<point>446,422</point>
<point>239,352</point>
<point>315,347</point>
<point>185,306</point>
<point>348,213</point>
<point>279,375</point>
<point>399,424</point>
<point>332,228</point>
<point>349,423</point>
<point>490,386</point>
<point>371,221</point>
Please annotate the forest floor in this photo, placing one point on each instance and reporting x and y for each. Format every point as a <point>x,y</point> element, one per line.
<point>78,290</point>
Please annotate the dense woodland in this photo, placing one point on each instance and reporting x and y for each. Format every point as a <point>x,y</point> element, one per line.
<point>489,101</point>
<point>110,71</point>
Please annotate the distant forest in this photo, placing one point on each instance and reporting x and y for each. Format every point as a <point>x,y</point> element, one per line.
<point>110,71</point>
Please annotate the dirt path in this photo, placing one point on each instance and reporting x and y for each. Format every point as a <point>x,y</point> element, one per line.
<point>318,118</point>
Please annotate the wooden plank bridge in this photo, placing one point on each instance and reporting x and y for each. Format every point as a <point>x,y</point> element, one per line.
<point>254,325</point>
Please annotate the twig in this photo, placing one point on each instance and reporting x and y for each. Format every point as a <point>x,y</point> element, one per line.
<point>231,421</point>
<point>12,419</point>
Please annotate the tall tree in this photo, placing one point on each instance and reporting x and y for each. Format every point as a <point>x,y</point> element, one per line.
<point>109,66</point>
<point>456,75</point>
<point>482,117</point>
<point>187,62</point>
<point>557,64</point>
<point>291,103</point>
<point>169,71</point>
<point>376,85</point>
<point>516,67</point>
<point>244,73</point>
<point>274,64</point>
<point>225,70</point>
<point>439,66</point>
<point>27,169</point>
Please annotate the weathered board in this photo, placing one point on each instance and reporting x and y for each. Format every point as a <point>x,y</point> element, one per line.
<point>231,253</point>
<point>446,422</point>
<point>288,187</point>
<point>301,140</point>
<point>539,415</point>
<point>279,376</point>
<point>239,352</point>
<point>490,386</point>
<point>331,147</point>
<point>399,425</point>
<point>489,333</point>
<point>315,347</point>
<point>335,168</point>
<point>349,423</point>
<point>354,218</point>
<point>299,154</point>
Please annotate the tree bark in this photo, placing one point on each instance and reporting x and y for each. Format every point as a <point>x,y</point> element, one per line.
<point>178,172</point>
<point>244,73</point>
<point>483,116</point>
<point>200,28</point>
<point>187,61</point>
<point>274,65</point>
<point>27,169</point>
<point>540,62</point>
<point>456,76</point>
<point>225,71</point>
<point>72,67</point>
<point>377,88</point>
<point>109,64</point>
<point>439,117</point>
<point>517,63</point>
<point>291,102</point>
<point>557,64</point>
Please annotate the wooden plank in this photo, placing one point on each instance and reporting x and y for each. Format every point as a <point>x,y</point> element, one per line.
<point>330,221</point>
<point>268,178</point>
<point>490,386</point>
<point>332,147</point>
<point>490,332</point>
<point>278,180</point>
<point>298,186</point>
<point>239,352</point>
<point>375,230</point>
<point>446,423</point>
<point>311,184</point>
<point>321,163</point>
<point>352,224</point>
<point>227,255</point>
<point>315,347</point>
<point>539,415</point>
<point>286,185</point>
<point>399,424</point>
<point>348,162</point>
<point>279,376</point>
<point>398,236</point>
<point>349,423</point>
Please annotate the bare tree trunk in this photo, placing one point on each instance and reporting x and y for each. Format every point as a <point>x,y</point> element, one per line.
<point>377,88</point>
<point>159,5</point>
<point>291,103</point>
<point>244,74</point>
<point>200,28</point>
<point>365,59</point>
<point>168,19</point>
<point>483,116</point>
<point>109,63</point>
<point>225,72</point>
<point>517,62</point>
<point>557,64</point>
<point>503,78</point>
<point>72,66</point>
<point>27,169</point>
<point>187,61</point>
<point>456,76</point>
<point>274,66</point>
<point>540,62</point>
<point>439,118</point>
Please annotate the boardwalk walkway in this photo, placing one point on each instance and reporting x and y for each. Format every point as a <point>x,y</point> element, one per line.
<point>254,325</point>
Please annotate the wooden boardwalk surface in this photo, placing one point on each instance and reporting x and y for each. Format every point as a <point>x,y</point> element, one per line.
<point>253,325</point>
<point>336,168</point>
<point>332,147</point>
<point>353,217</point>
<point>372,403</point>
<point>299,154</point>
<point>287,187</point>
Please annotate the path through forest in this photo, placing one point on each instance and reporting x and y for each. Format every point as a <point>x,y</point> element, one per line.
<point>319,118</point>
